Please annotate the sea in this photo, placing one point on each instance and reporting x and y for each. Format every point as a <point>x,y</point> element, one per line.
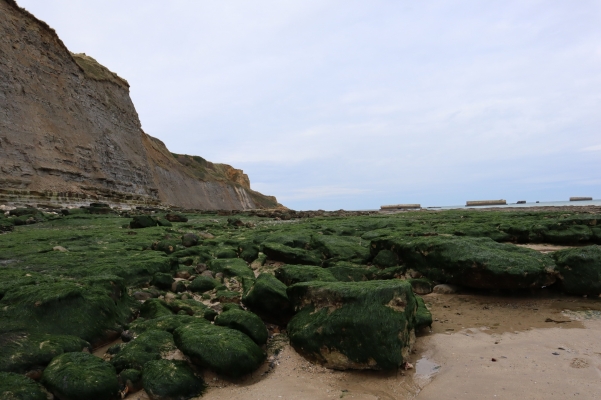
<point>527,204</point>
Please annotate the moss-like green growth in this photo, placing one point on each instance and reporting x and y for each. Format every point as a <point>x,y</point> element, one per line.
<point>245,322</point>
<point>423,316</point>
<point>132,379</point>
<point>341,248</point>
<point>149,346</point>
<point>167,323</point>
<point>192,307</point>
<point>81,376</point>
<point>162,280</point>
<point>249,251</point>
<point>87,309</point>
<point>580,270</point>
<point>18,387</point>
<point>154,308</point>
<point>291,274</point>
<point>168,246</point>
<point>347,272</point>
<point>421,285</point>
<point>357,325</point>
<point>473,262</point>
<point>226,351</point>
<point>386,259</point>
<point>268,298</point>
<point>290,255</point>
<point>171,380</point>
<point>23,352</point>
<point>203,284</point>
<point>231,267</point>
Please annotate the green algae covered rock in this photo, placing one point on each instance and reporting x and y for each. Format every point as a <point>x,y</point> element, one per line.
<point>171,380</point>
<point>580,270</point>
<point>142,221</point>
<point>81,376</point>
<point>386,259</point>
<point>341,248</point>
<point>245,322</point>
<point>203,284</point>
<point>149,346</point>
<point>18,387</point>
<point>347,272</point>
<point>90,308</point>
<point>162,280</point>
<point>291,274</point>
<point>472,262</point>
<point>268,298</point>
<point>154,308</point>
<point>132,379</point>
<point>421,286</point>
<point>23,352</point>
<point>190,239</point>
<point>192,307</point>
<point>168,323</point>
<point>226,351</point>
<point>353,325</point>
<point>290,255</point>
<point>231,267</point>
<point>423,316</point>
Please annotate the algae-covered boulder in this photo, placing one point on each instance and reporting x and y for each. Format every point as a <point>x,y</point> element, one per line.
<point>171,380</point>
<point>203,284</point>
<point>347,272</point>
<point>248,251</point>
<point>267,297</point>
<point>386,259</point>
<point>162,280</point>
<point>81,376</point>
<point>18,387</point>
<point>23,352</point>
<point>142,221</point>
<point>423,316</point>
<point>131,379</point>
<point>190,239</point>
<point>168,323</point>
<point>341,248</point>
<point>231,267</point>
<point>91,309</point>
<point>353,325</point>
<point>148,346</point>
<point>291,274</point>
<point>290,255</point>
<point>192,307</point>
<point>421,285</point>
<point>154,308</point>
<point>226,351</point>
<point>580,270</point>
<point>245,322</point>
<point>473,262</point>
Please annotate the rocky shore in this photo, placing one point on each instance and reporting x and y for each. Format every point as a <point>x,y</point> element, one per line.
<point>171,301</point>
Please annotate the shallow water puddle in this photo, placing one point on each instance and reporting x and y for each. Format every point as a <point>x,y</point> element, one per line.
<point>425,367</point>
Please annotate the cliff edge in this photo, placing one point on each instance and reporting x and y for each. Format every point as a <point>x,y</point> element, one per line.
<point>69,132</point>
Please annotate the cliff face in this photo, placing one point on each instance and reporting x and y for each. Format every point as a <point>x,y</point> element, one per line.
<point>69,130</point>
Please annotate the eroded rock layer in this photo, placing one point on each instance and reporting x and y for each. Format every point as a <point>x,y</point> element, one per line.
<point>69,131</point>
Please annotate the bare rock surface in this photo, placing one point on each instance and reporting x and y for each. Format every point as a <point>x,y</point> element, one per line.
<point>69,130</point>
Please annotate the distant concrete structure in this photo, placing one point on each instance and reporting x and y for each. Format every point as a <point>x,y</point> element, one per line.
<point>580,198</point>
<point>521,202</point>
<point>398,207</point>
<point>486,203</point>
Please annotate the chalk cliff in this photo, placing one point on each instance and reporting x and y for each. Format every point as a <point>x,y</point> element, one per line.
<point>69,132</point>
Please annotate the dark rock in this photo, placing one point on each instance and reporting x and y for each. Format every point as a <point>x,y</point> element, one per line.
<point>154,308</point>
<point>142,221</point>
<point>386,259</point>
<point>203,283</point>
<point>162,280</point>
<point>190,239</point>
<point>176,218</point>
<point>132,379</point>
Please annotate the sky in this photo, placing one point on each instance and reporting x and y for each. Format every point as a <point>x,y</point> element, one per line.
<point>356,104</point>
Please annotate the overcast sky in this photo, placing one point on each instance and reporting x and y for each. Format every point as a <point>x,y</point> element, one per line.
<point>354,104</point>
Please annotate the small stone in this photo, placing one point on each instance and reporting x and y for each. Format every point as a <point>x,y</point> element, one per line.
<point>182,274</point>
<point>445,288</point>
<point>59,248</point>
<point>142,295</point>
<point>208,274</point>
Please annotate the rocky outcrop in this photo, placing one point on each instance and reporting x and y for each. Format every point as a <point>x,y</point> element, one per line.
<point>69,132</point>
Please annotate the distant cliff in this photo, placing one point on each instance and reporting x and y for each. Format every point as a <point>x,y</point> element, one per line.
<point>69,132</point>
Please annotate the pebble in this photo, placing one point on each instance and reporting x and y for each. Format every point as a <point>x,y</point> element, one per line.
<point>445,288</point>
